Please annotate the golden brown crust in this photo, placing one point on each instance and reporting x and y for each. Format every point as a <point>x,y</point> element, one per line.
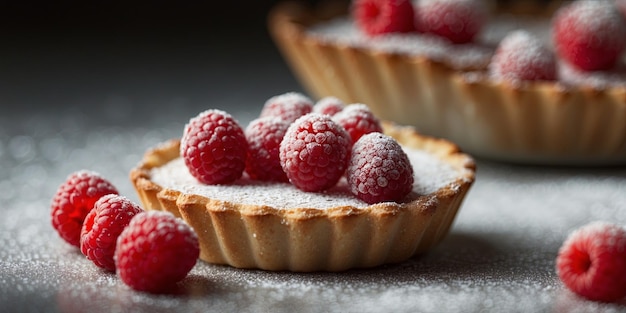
<point>308,239</point>
<point>531,122</point>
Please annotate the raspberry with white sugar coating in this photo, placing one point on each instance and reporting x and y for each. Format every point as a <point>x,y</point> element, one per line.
<point>379,170</point>
<point>74,199</point>
<point>103,225</point>
<point>522,56</point>
<point>155,251</point>
<point>457,20</point>
<point>328,105</point>
<point>214,147</point>
<point>592,262</point>
<point>590,34</point>
<point>376,17</point>
<point>314,152</point>
<point>264,136</point>
<point>358,120</point>
<point>288,106</point>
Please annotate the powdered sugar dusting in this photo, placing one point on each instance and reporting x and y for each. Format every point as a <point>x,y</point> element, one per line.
<point>430,175</point>
<point>343,30</point>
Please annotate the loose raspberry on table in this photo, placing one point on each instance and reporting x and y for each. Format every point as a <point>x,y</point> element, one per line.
<point>288,106</point>
<point>214,147</point>
<point>457,20</point>
<point>110,215</point>
<point>358,120</point>
<point>592,262</point>
<point>328,105</point>
<point>264,135</point>
<point>74,199</point>
<point>376,17</point>
<point>589,34</point>
<point>379,170</point>
<point>522,56</point>
<point>155,251</point>
<point>314,152</point>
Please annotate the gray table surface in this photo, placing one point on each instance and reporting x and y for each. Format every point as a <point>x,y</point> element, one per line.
<point>61,111</point>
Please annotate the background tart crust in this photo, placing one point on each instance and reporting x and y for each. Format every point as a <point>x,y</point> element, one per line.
<point>531,122</point>
<point>310,239</point>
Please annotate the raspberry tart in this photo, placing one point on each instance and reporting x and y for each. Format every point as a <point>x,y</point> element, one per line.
<point>275,225</point>
<point>515,81</point>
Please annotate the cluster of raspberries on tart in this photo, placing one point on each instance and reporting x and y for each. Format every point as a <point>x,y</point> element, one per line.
<point>311,145</point>
<point>150,251</point>
<point>587,35</point>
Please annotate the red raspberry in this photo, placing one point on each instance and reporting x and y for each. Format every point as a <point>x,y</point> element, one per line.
<point>592,262</point>
<point>288,106</point>
<point>264,136</point>
<point>589,34</point>
<point>155,251</point>
<point>522,56</point>
<point>73,201</point>
<point>379,170</point>
<point>376,17</point>
<point>457,20</point>
<point>328,105</point>
<point>358,120</point>
<point>110,215</point>
<point>314,152</point>
<point>214,147</point>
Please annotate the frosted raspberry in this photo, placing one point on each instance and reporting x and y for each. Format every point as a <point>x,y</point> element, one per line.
<point>264,136</point>
<point>214,147</point>
<point>328,105</point>
<point>376,17</point>
<point>379,170</point>
<point>589,34</point>
<point>457,20</point>
<point>522,56</point>
<point>592,262</point>
<point>358,120</point>
<point>155,251</point>
<point>314,152</point>
<point>288,106</point>
<point>73,201</point>
<point>110,215</point>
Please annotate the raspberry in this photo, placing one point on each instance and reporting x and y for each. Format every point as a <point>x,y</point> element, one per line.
<point>264,136</point>
<point>376,17</point>
<point>457,20</point>
<point>155,251</point>
<point>288,106</point>
<point>110,215</point>
<point>73,201</point>
<point>214,147</point>
<point>589,34</point>
<point>522,56</point>
<point>379,170</point>
<point>592,262</point>
<point>358,120</point>
<point>314,152</point>
<point>328,105</point>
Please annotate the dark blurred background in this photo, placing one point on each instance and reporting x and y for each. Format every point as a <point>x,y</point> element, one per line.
<point>119,59</point>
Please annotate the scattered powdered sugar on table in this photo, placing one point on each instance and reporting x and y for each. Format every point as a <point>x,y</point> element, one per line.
<point>430,175</point>
<point>498,257</point>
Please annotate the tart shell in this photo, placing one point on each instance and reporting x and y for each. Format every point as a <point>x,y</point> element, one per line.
<point>529,122</point>
<point>310,239</point>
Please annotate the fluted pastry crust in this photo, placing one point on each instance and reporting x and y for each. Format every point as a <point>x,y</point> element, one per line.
<point>531,122</point>
<point>310,239</point>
